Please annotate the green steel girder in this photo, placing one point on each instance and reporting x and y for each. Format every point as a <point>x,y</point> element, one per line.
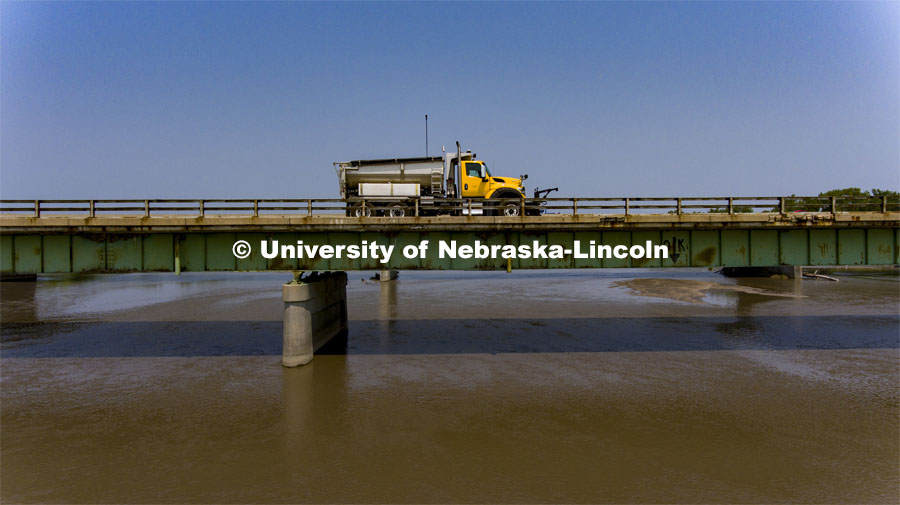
<point>117,252</point>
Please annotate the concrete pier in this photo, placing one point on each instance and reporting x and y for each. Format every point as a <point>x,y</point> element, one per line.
<point>315,311</point>
<point>388,274</point>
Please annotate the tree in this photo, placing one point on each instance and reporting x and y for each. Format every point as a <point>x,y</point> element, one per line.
<point>738,209</point>
<point>846,199</point>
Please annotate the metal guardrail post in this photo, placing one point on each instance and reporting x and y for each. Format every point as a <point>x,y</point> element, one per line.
<point>883,204</point>
<point>626,206</point>
<point>523,208</point>
<point>730,205</point>
<point>309,207</point>
<point>91,209</point>
<point>202,210</point>
<point>416,204</point>
<point>255,208</point>
<point>678,211</point>
<point>146,208</point>
<point>37,208</point>
<point>574,206</point>
<point>470,207</point>
<point>362,214</point>
<point>781,204</point>
<point>834,205</point>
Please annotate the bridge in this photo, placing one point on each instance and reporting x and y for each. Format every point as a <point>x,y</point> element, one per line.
<point>117,236</point>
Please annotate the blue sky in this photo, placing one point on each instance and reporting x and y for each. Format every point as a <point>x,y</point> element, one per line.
<point>231,100</point>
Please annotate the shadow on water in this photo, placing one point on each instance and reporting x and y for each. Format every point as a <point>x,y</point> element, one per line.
<point>23,335</point>
<point>454,336</point>
<point>18,302</point>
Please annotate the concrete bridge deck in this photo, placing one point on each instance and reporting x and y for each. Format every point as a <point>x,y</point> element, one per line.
<point>57,243</point>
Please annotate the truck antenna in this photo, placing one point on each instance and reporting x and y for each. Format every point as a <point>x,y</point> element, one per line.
<point>426,135</point>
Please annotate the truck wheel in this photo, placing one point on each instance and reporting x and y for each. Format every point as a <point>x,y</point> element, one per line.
<point>397,211</point>
<point>357,211</point>
<point>509,208</point>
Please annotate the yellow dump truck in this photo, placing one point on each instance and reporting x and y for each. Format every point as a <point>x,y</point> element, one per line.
<point>456,183</point>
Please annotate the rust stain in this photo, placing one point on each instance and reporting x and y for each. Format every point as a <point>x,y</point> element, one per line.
<point>94,237</point>
<point>705,257</point>
<point>487,264</point>
<point>278,263</point>
<point>306,264</point>
<point>115,237</point>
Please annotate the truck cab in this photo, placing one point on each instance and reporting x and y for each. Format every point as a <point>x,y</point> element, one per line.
<point>478,182</point>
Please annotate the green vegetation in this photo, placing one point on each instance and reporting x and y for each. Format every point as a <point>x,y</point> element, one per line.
<point>738,209</point>
<point>847,199</point>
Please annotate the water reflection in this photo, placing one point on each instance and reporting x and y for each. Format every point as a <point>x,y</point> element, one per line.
<point>298,397</point>
<point>387,310</point>
<point>17,302</point>
<point>454,336</point>
<point>438,396</point>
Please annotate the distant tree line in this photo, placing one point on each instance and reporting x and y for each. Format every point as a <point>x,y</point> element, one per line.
<point>858,201</point>
<point>737,209</point>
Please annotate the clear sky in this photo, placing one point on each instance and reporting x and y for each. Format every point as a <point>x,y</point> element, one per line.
<point>232,100</point>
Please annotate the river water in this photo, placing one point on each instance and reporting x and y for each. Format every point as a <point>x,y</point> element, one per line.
<point>600,386</point>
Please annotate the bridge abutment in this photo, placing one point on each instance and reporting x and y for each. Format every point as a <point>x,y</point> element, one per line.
<point>315,311</point>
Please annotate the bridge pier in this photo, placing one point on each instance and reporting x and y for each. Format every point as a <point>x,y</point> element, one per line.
<point>315,311</point>
<point>388,274</point>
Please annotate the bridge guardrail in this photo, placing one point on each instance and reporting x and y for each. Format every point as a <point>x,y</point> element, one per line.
<point>339,207</point>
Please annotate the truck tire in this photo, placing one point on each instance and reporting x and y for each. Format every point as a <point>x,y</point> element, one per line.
<point>509,208</point>
<point>505,202</point>
<point>396,210</point>
<point>357,211</point>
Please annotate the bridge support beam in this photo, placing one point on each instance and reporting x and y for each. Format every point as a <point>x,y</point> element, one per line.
<point>314,313</point>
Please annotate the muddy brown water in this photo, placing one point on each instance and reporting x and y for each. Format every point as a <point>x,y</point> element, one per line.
<point>625,386</point>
